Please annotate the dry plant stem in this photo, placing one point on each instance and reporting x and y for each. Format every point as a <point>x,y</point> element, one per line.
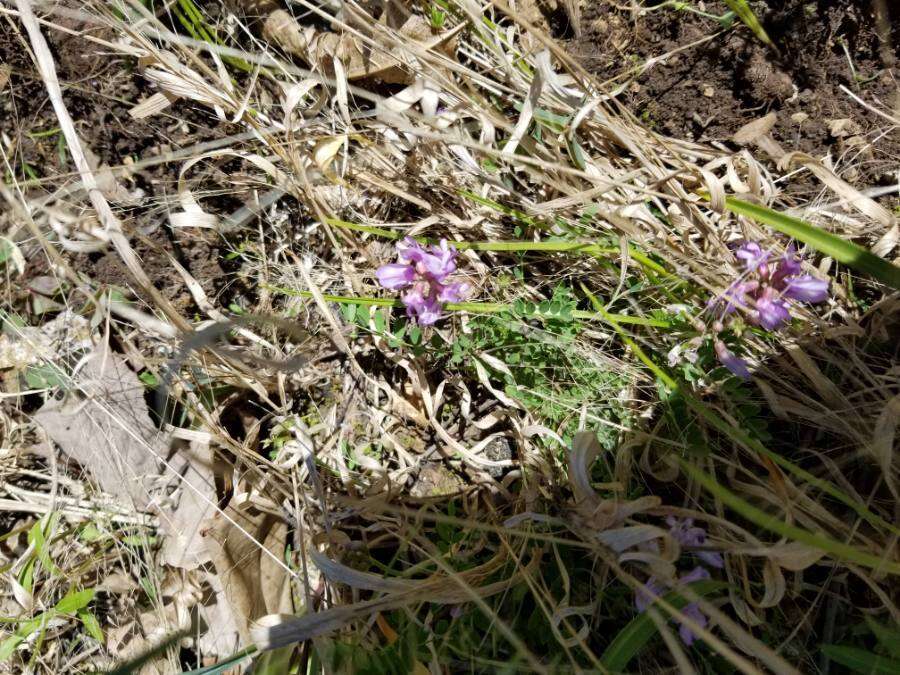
<point>110,223</point>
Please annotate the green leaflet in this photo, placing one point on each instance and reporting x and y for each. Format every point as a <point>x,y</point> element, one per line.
<point>861,661</point>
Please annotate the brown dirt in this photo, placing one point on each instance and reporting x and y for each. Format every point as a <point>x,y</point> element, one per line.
<point>99,91</point>
<point>708,91</point>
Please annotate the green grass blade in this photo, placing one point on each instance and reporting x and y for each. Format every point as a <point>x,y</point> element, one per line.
<point>745,14</point>
<point>473,307</point>
<point>629,642</point>
<point>74,601</point>
<point>515,246</point>
<point>775,524</point>
<point>226,664</point>
<point>888,638</point>
<point>857,257</point>
<point>861,661</point>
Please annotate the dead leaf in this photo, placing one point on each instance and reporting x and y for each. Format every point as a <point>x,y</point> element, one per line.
<point>103,423</point>
<point>184,546</point>
<point>221,637</point>
<point>254,585</point>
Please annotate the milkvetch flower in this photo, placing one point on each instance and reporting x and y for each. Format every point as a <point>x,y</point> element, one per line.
<point>765,292</point>
<point>654,588</point>
<point>424,274</point>
<point>689,535</point>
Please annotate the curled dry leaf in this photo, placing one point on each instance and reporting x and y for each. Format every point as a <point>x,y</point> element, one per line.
<point>360,61</point>
<point>438,588</point>
<point>595,512</point>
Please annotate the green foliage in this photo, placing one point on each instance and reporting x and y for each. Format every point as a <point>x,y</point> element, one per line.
<point>399,657</point>
<point>73,603</point>
<point>733,393</point>
<point>861,661</point>
<point>746,15</point>
<point>548,372</point>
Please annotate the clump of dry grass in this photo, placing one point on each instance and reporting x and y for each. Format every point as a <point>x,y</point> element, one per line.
<point>341,490</point>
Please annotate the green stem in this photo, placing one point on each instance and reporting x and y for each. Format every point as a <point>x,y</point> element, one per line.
<point>513,246</point>
<point>473,307</point>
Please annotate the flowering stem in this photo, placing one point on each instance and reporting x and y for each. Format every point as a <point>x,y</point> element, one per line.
<point>475,308</point>
<point>511,246</point>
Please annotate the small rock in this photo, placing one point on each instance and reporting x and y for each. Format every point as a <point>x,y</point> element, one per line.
<point>498,450</point>
<point>842,128</point>
<point>435,480</point>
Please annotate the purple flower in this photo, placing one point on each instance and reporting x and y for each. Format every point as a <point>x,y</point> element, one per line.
<point>766,290</point>
<point>645,596</point>
<point>691,611</point>
<point>771,309</point>
<point>752,255</point>
<point>688,535</point>
<point>736,295</point>
<point>789,265</point>
<point>395,276</point>
<point>806,288</point>
<point>696,574</point>
<point>456,292</point>
<point>734,363</point>
<point>424,273</point>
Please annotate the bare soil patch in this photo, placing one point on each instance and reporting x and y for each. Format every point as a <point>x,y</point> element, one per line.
<point>708,91</point>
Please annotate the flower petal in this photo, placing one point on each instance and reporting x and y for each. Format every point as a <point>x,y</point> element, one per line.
<point>752,255</point>
<point>711,558</point>
<point>771,310</point>
<point>806,288</point>
<point>395,275</point>
<point>789,265</point>
<point>421,304</point>
<point>697,574</point>
<point>692,612</point>
<point>644,597</point>
<point>734,363</point>
<point>441,262</point>
<point>410,250</point>
<point>456,292</point>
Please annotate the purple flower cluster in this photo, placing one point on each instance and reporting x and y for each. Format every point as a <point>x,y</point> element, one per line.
<point>689,536</point>
<point>765,291</point>
<point>424,274</point>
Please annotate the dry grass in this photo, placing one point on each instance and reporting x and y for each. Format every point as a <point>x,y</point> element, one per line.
<point>351,494</point>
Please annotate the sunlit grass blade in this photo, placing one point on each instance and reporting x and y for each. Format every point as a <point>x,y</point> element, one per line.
<point>843,251</point>
<point>516,246</point>
<point>774,524</point>
<point>629,642</point>
<point>473,307</point>
<point>745,14</point>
